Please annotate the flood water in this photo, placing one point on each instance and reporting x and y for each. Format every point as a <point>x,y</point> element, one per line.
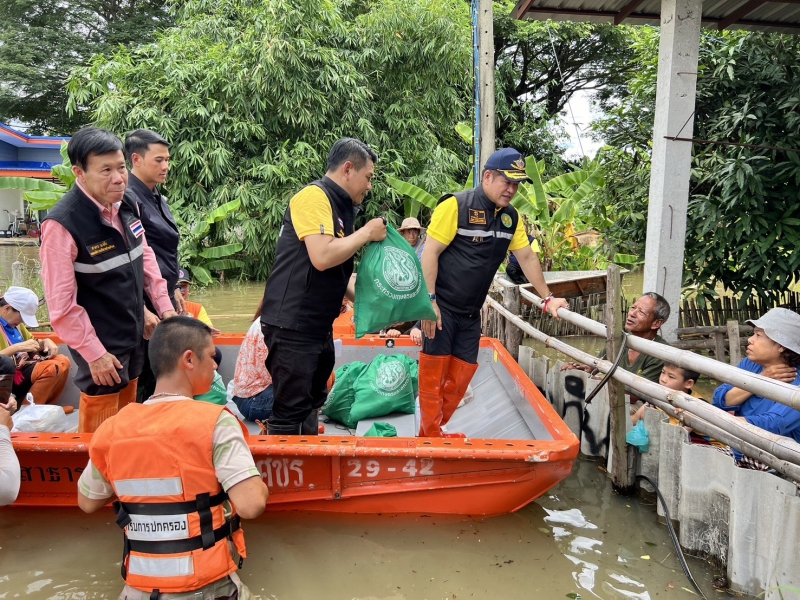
<point>581,540</point>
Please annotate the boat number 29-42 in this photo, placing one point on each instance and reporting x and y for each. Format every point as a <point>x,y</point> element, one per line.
<point>372,468</point>
<point>288,472</point>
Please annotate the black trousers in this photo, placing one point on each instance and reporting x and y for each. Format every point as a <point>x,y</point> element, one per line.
<point>132,362</point>
<point>300,365</point>
<point>460,336</point>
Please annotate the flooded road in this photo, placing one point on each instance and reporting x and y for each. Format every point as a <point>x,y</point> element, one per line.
<point>580,540</point>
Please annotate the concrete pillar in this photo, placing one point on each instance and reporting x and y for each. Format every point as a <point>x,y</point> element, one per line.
<point>669,175</point>
<point>486,67</point>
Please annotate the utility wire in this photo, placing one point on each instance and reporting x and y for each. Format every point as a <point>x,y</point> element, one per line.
<point>561,74</point>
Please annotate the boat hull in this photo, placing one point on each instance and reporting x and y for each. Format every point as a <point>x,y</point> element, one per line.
<point>335,473</point>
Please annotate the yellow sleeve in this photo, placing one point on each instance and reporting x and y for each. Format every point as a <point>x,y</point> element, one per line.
<point>26,335</point>
<point>203,317</point>
<point>444,222</point>
<point>311,212</point>
<point>520,239</point>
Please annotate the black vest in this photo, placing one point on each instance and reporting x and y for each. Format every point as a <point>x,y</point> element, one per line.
<point>162,233</point>
<point>109,268</point>
<point>298,296</point>
<point>468,265</point>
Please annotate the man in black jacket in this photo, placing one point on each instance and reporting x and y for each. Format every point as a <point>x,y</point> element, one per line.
<point>148,155</point>
<point>313,264</point>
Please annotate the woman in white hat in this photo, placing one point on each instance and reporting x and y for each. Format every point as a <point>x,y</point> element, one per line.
<point>412,231</point>
<point>772,351</point>
<point>41,370</point>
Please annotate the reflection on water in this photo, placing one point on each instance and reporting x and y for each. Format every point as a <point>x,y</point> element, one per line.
<point>580,539</point>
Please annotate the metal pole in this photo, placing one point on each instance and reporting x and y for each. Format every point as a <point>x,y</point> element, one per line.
<point>772,444</point>
<point>780,392</point>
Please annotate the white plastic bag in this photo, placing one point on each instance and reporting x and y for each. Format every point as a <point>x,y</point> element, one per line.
<point>34,418</point>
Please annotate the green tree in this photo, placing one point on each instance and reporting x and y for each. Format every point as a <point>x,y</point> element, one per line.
<point>252,94</point>
<point>744,209</point>
<point>41,40</point>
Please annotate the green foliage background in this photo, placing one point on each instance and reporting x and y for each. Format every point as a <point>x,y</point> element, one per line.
<point>253,94</point>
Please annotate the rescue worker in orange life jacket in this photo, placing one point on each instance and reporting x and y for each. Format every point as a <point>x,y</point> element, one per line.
<point>469,236</point>
<point>181,473</point>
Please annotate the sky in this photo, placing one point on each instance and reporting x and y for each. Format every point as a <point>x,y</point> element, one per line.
<point>582,109</point>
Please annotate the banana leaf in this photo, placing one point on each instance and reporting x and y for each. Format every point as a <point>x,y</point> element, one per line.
<point>415,193</point>
<point>224,264</point>
<point>221,251</point>
<point>201,274</point>
<point>223,211</point>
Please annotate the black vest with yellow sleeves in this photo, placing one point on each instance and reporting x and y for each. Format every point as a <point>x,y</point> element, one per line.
<point>468,265</point>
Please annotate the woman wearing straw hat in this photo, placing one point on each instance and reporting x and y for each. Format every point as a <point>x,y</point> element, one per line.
<point>773,351</point>
<point>412,231</point>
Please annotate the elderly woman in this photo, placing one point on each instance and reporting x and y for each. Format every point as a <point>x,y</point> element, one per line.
<point>40,369</point>
<point>412,231</point>
<point>773,351</point>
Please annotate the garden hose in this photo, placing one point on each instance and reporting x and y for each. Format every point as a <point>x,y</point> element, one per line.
<point>607,376</point>
<point>674,537</point>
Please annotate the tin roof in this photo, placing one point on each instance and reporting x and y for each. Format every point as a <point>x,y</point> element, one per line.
<point>756,15</point>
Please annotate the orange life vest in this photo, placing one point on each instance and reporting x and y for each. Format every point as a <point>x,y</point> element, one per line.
<point>343,324</point>
<point>159,459</point>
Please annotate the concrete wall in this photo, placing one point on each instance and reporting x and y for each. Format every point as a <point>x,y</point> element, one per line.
<point>745,521</point>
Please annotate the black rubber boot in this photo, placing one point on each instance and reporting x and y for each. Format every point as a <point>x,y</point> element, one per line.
<point>311,424</point>
<point>273,429</point>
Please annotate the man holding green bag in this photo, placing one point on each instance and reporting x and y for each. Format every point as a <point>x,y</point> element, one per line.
<point>313,264</point>
<point>468,238</point>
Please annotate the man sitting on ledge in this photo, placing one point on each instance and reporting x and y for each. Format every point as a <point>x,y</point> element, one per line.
<point>645,318</point>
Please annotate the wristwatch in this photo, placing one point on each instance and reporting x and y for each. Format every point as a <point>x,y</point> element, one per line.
<point>432,297</point>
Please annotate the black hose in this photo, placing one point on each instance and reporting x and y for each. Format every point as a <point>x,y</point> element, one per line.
<point>674,537</point>
<point>607,376</point>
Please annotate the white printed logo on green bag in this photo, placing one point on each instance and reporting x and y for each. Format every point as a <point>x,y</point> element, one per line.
<point>400,273</point>
<point>390,378</point>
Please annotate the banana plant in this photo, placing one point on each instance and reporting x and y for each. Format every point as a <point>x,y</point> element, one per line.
<point>202,260</point>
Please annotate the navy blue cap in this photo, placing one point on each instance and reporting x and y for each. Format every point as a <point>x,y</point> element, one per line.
<point>510,163</point>
<point>183,275</point>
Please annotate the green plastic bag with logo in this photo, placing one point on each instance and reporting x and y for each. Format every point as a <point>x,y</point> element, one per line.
<point>381,430</point>
<point>390,287</point>
<point>388,385</point>
<point>343,394</point>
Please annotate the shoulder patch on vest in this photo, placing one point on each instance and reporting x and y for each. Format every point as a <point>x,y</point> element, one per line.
<point>137,228</point>
<point>505,220</point>
<point>477,217</point>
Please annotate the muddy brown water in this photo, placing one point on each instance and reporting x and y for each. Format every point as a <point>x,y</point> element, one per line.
<point>581,540</point>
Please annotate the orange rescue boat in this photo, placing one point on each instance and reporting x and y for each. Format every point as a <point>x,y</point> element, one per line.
<point>516,450</point>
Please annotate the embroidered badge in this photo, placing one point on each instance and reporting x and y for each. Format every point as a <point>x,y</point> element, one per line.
<point>101,247</point>
<point>477,217</point>
<point>137,229</point>
<point>341,223</point>
<point>519,164</point>
<point>505,220</point>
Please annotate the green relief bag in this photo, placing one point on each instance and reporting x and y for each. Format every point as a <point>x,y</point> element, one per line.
<point>217,394</point>
<point>381,430</point>
<point>343,394</point>
<point>390,287</point>
<point>388,385</point>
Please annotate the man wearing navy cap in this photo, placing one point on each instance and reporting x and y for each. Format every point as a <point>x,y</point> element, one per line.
<point>468,238</point>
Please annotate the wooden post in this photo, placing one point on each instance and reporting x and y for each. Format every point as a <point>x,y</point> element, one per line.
<point>17,273</point>
<point>513,337</point>
<point>621,477</point>
<point>719,346</point>
<point>734,343</point>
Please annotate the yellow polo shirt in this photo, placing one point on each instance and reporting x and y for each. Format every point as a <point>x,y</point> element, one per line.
<point>444,225</point>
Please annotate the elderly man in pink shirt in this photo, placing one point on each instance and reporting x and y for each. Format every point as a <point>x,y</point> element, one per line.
<point>96,265</point>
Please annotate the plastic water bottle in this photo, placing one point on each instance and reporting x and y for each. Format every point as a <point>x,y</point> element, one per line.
<point>29,399</point>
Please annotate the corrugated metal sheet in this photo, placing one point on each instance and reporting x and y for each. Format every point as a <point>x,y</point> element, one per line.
<point>747,520</point>
<point>776,17</point>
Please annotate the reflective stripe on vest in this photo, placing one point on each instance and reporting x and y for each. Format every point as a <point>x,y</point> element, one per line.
<point>161,567</point>
<point>112,263</point>
<point>483,233</point>
<point>149,487</point>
